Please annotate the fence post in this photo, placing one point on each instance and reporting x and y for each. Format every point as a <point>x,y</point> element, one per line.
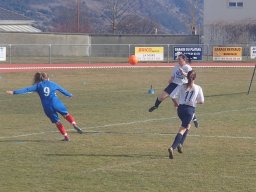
<point>50,54</point>
<point>10,53</point>
<point>90,50</point>
<point>168,53</point>
<point>129,53</point>
<point>207,51</point>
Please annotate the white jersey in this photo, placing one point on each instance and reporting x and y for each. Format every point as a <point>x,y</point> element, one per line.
<point>188,96</point>
<point>178,77</point>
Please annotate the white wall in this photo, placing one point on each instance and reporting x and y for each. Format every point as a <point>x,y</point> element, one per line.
<point>219,11</point>
<point>218,14</point>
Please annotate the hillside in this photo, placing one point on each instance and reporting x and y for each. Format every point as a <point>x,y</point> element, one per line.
<point>137,16</point>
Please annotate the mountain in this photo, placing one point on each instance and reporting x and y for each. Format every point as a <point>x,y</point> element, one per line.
<point>97,16</point>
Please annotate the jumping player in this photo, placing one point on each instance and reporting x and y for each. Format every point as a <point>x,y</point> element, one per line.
<point>52,105</point>
<point>185,98</point>
<point>178,77</point>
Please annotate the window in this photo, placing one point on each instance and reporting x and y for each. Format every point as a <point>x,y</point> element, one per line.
<point>234,4</point>
<point>239,4</point>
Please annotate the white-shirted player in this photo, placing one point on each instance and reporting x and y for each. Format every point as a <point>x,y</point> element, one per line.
<point>185,98</point>
<point>178,77</point>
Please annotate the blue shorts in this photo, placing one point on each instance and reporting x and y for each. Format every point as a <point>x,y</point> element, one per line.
<point>52,111</point>
<point>169,89</point>
<point>186,114</point>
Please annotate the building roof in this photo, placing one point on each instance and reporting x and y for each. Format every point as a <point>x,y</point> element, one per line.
<point>18,28</point>
<point>14,22</point>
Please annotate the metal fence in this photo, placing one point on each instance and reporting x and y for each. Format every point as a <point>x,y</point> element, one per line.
<point>98,53</point>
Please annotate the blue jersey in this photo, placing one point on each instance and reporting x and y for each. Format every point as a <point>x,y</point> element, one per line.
<point>50,101</point>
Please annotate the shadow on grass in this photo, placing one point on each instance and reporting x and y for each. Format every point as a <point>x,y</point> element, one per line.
<point>128,133</point>
<point>226,94</point>
<point>107,155</point>
<point>24,141</point>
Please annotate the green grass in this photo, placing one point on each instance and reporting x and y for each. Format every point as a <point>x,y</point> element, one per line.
<point>125,146</point>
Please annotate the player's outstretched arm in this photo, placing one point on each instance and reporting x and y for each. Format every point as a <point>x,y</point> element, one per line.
<point>9,92</point>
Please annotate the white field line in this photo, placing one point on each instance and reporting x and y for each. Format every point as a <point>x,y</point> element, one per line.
<point>146,121</point>
<point>113,67</point>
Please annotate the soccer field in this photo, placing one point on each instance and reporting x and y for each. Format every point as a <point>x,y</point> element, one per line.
<point>124,147</point>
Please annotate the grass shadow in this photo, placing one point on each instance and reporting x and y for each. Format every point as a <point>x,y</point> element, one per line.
<point>24,141</point>
<point>129,133</point>
<point>226,94</point>
<point>107,155</point>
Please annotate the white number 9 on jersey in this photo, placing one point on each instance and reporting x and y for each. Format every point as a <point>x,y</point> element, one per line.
<point>46,91</point>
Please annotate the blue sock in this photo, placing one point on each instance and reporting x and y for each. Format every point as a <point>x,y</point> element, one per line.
<point>184,137</point>
<point>177,141</point>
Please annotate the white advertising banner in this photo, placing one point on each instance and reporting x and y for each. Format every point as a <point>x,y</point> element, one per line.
<point>2,53</point>
<point>253,53</point>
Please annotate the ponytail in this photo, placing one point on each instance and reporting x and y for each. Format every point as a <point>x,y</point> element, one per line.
<point>191,77</point>
<point>38,77</point>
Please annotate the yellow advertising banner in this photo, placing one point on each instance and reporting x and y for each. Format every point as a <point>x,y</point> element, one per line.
<point>149,53</point>
<point>227,53</point>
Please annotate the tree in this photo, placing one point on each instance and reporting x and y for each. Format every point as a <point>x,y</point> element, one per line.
<point>115,12</point>
<point>66,19</point>
<point>232,33</point>
<point>134,24</point>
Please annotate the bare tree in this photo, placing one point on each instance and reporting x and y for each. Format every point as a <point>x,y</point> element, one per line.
<point>66,20</point>
<point>115,12</point>
<point>232,33</point>
<point>134,24</point>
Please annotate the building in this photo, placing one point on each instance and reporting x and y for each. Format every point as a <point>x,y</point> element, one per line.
<point>14,22</point>
<point>229,21</point>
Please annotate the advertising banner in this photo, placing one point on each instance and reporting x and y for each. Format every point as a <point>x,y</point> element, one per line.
<point>149,53</point>
<point>227,53</point>
<point>195,53</point>
<point>253,53</point>
<point>2,53</point>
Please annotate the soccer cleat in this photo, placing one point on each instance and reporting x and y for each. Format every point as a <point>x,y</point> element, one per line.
<point>66,138</point>
<point>179,148</point>
<point>78,129</point>
<point>196,123</point>
<point>152,108</point>
<point>170,150</point>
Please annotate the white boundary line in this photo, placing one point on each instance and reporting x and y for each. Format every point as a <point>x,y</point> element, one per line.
<point>145,121</point>
<point>113,67</point>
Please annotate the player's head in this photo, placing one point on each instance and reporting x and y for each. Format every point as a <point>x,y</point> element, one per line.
<point>182,58</point>
<point>191,77</point>
<point>38,77</point>
<point>44,76</point>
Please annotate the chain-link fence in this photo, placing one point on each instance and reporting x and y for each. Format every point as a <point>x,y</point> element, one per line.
<point>100,53</point>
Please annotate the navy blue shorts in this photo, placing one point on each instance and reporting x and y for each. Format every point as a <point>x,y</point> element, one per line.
<point>186,114</point>
<point>169,89</point>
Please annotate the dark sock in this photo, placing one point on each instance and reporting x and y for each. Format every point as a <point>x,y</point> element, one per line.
<point>184,137</point>
<point>157,103</point>
<point>194,118</point>
<point>176,141</point>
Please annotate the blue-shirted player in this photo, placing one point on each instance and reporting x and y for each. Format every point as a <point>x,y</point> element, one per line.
<point>185,98</point>
<point>52,105</point>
